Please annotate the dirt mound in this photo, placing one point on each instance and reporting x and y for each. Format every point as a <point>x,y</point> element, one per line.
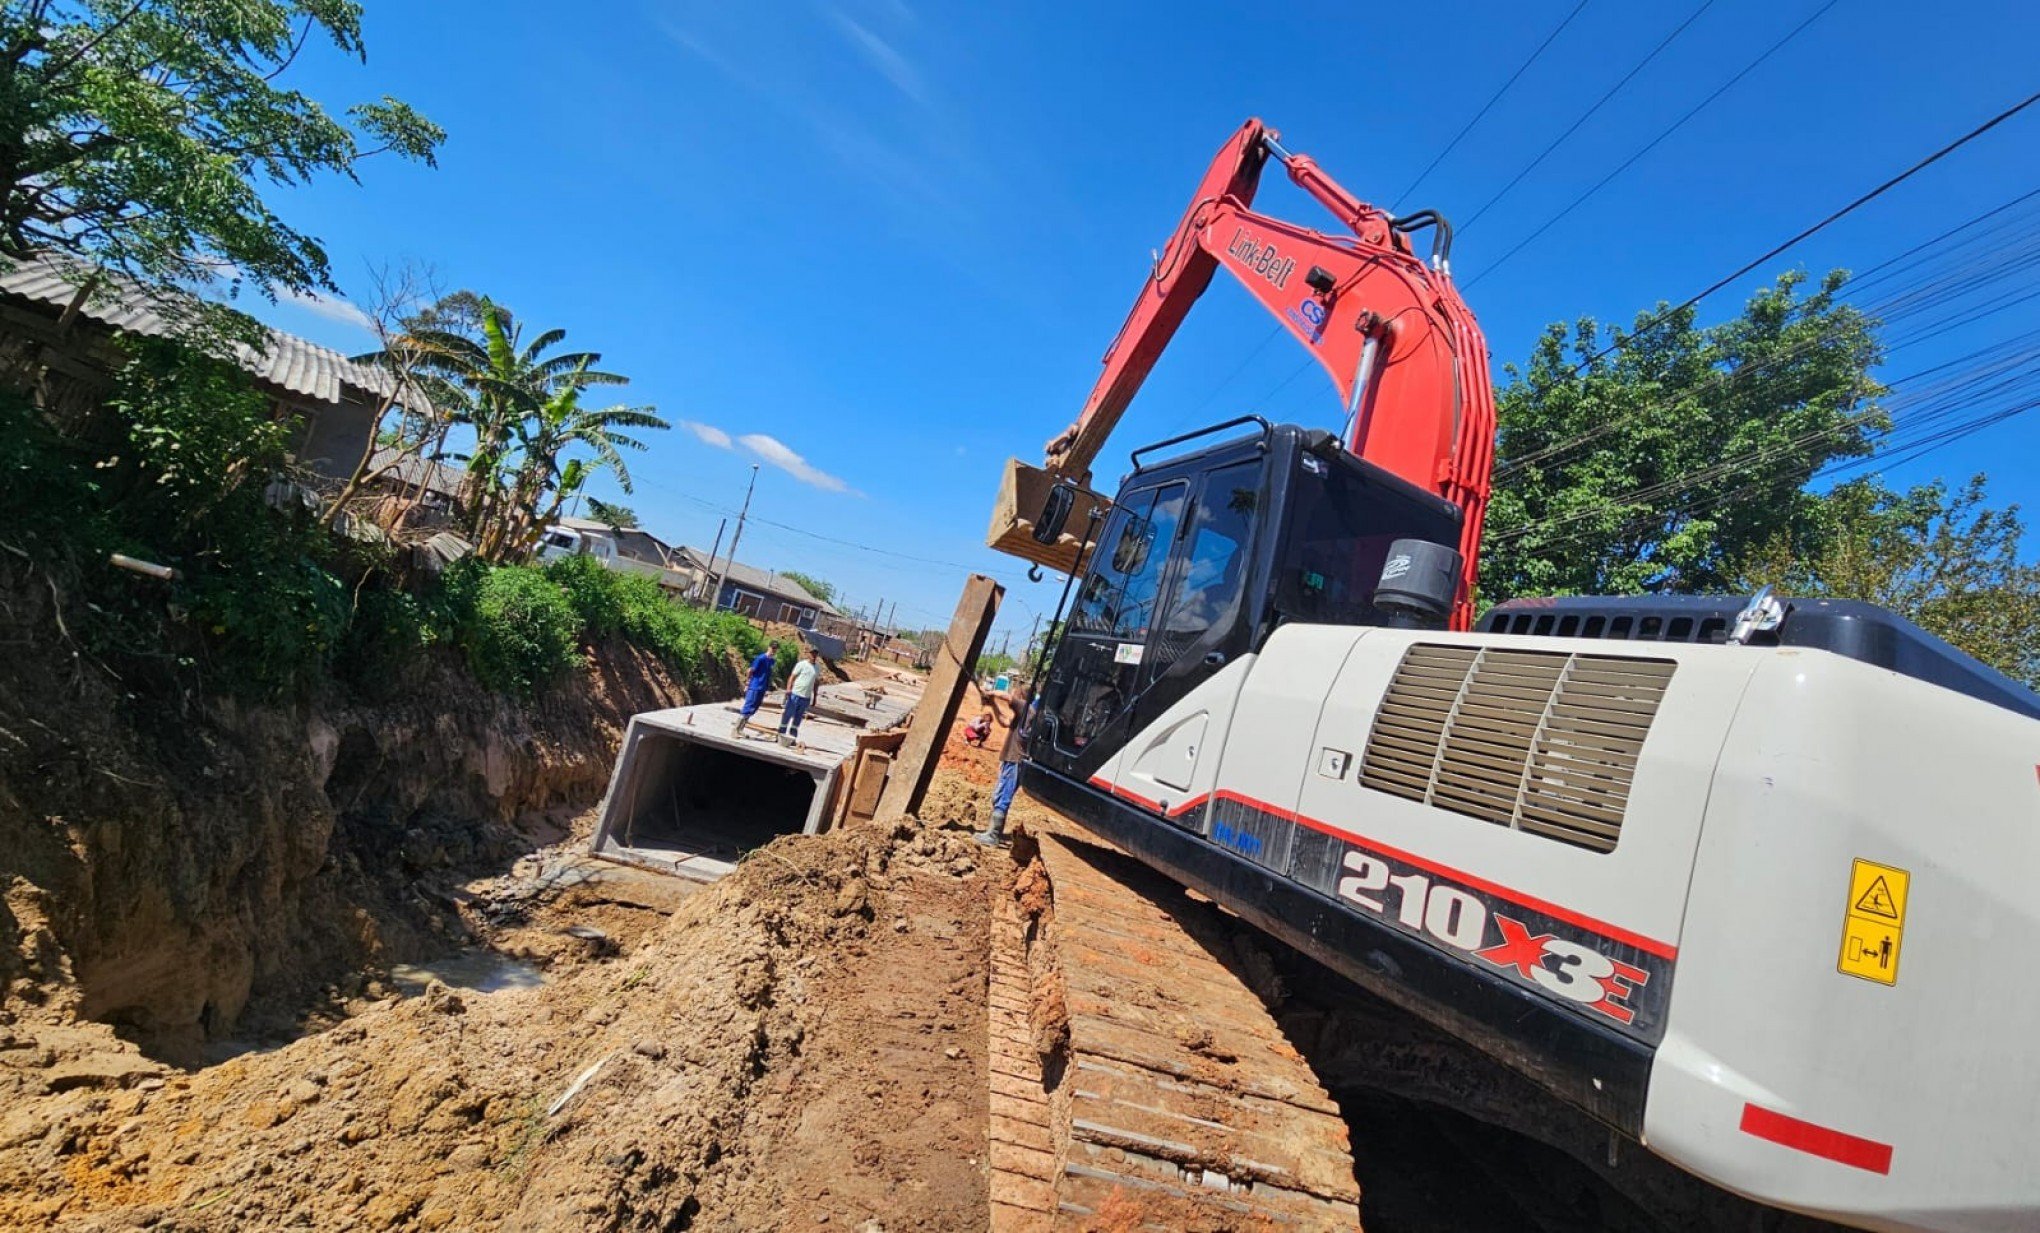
<point>801,1046</point>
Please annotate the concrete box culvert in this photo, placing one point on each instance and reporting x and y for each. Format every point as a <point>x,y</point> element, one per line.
<point>689,798</point>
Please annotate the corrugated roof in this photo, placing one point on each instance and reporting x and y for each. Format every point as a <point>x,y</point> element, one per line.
<point>419,472</point>
<point>290,362</point>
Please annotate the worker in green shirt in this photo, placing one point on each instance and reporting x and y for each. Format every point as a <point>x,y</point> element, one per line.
<point>800,695</point>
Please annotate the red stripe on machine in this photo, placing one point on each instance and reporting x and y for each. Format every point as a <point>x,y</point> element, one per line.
<point>1839,1146</point>
<point>1648,945</point>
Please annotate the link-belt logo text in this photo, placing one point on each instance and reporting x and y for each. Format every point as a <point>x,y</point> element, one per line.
<point>1263,259</point>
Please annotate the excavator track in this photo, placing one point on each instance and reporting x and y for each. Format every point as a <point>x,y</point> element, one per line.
<point>1138,1081</point>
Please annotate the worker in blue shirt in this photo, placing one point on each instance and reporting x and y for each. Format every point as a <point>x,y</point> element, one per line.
<point>754,689</point>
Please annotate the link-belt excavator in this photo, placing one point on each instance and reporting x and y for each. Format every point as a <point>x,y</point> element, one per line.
<point>1743,878</point>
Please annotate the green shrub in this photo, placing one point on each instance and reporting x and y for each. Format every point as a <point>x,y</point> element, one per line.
<point>386,639</point>
<point>519,632</point>
<point>272,625</point>
<point>611,603</point>
<point>596,593</point>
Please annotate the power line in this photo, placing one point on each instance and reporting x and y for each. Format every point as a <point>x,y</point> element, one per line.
<point>1496,97</point>
<point>1928,410</point>
<point>1834,217</point>
<point>1894,306</point>
<point>1653,144</point>
<point>1585,116</point>
<point>1626,163</point>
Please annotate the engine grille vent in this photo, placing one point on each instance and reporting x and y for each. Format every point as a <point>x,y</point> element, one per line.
<point>1540,741</point>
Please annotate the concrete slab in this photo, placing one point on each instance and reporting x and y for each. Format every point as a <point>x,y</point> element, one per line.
<point>689,796</point>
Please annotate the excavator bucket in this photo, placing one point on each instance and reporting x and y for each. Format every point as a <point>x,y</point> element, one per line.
<point>1023,493</point>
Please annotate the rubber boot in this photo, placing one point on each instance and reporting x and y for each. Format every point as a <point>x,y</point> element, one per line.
<point>994,833</point>
<point>786,739</point>
<point>738,731</point>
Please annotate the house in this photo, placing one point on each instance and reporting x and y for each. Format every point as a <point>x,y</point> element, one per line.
<point>439,490</point>
<point>632,543</point>
<point>758,593</point>
<point>48,323</point>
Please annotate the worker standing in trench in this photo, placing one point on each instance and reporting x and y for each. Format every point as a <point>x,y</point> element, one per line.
<point>800,695</point>
<point>1019,710</point>
<point>754,689</point>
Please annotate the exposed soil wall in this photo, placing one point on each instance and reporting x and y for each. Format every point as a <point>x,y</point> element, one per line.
<point>799,1047</point>
<point>190,868</point>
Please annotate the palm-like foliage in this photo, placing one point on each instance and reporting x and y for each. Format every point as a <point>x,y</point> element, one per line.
<point>524,407</point>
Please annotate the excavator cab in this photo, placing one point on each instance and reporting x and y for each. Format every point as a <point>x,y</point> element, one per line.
<point>1203,555</point>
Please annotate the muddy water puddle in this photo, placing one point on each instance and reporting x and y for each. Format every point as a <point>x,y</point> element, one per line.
<point>483,971</point>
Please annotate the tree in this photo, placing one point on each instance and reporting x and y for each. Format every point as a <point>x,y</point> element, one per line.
<point>616,517</point>
<point>411,410</point>
<point>560,424</point>
<point>1662,464</point>
<point>138,134</point>
<point>1944,560</point>
<point>824,591</point>
<point>523,406</point>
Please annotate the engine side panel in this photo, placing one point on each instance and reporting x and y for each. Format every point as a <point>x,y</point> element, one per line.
<point>1537,950</point>
<point>1907,1104</point>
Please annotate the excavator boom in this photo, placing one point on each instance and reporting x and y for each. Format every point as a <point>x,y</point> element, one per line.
<point>1403,352</point>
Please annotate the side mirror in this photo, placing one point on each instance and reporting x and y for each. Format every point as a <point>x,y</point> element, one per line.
<point>1055,511</point>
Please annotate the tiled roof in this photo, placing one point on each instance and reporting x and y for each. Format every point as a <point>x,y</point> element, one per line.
<point>290,362</point>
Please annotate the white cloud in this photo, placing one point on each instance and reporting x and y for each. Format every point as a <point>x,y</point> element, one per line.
<point>898,167</point>
<point>331,307</point>
<point>880,54</point>
<point>779,454</point>
<point>708,434</point>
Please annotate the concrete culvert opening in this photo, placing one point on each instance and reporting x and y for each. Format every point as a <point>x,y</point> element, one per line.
<point>691,799</point>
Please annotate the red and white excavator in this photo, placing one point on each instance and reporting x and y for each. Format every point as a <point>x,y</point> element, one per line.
<point>1742,878</point>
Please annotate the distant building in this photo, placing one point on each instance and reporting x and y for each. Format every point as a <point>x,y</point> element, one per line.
<point>332,399</point>
<point>635,543</point>
<point>759,593</point>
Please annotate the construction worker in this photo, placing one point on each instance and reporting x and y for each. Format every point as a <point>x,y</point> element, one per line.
<point>800,695</point>
<point>1020,709</point>
<point>754,689</point>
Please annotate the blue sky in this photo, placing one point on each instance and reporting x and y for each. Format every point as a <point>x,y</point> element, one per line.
<point>878,246</point>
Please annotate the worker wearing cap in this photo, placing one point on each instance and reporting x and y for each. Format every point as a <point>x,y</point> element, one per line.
<point>1011,755</point>
<point>754,689</point>
<point>800,695</point>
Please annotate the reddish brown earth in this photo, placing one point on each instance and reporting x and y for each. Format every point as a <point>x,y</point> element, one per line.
<point>801,1045</point>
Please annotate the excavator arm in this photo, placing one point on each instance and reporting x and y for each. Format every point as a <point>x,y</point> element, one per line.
<point>1401,348</point>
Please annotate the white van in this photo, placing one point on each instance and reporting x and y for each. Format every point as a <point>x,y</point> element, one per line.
<point>559,542</point>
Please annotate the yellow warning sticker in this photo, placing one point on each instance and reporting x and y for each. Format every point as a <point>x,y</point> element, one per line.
<point>1874,922</point>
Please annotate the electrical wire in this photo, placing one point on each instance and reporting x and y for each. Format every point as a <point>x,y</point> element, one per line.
<point>1920,423</point>
<point>1837,215</point>
<point>1585,116</point>
<point>1488,106</point>
<point>1653,144</point>
<point>1990,266</point>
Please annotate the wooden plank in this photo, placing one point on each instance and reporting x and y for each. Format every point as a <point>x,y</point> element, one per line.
<point>914,766</point>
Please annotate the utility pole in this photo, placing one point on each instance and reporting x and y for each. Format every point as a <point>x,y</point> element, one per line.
<point>715,596</point>
<point>720,527</point>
